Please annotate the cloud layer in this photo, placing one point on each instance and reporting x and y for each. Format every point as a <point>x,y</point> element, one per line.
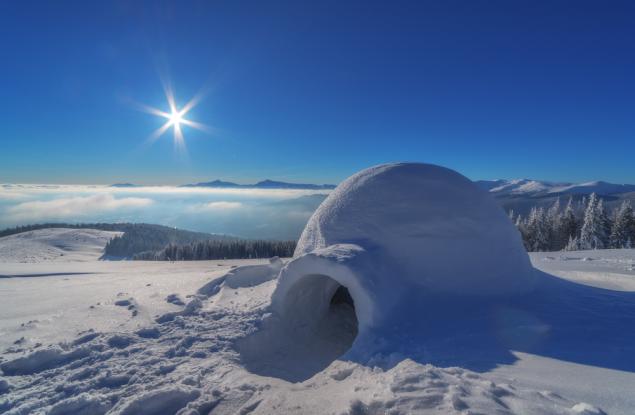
<point>73,207</point>
<point>252,213</point>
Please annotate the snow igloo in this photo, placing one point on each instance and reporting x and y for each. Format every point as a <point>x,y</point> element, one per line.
<point>394,236</point>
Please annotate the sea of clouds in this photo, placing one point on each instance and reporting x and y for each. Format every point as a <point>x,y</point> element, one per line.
<point>249,213</point>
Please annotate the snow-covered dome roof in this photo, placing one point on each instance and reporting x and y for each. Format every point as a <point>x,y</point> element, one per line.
<point>404,230</point>
<point>445,232</point>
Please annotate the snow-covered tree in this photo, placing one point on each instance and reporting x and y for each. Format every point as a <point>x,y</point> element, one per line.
<point>573,244</point>
<point>569,224</point>
<point>593,234</point>
<point>537,231</point>
<point>622,228</point>
<point>552,218</point>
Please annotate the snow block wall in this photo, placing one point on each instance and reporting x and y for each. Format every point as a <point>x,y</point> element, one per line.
<point>396,234</point>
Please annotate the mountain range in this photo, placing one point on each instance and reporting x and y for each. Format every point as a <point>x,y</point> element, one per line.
<point>264,184</point>
<point>521,195</point>
<point>536,188</point>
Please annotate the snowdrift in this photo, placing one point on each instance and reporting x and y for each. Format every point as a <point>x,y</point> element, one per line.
<point>390,238</point>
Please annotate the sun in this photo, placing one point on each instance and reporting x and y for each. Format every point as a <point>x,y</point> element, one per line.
<point>175,118</point>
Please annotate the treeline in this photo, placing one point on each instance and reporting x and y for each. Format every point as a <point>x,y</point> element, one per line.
<point>138,239</point>
<point>582,225</point>
<point>220,249</point>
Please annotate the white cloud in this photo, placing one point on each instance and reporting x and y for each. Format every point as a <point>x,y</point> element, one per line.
<point>223,205</point>
<point>73,207</point>
<point>215,206</point>
<point>4,195</point>
<point>36,190</point>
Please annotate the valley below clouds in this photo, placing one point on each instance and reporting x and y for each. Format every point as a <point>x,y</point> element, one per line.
<point>249,213</point>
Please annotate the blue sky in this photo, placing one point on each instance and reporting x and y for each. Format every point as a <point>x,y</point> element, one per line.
<point>312,92</point>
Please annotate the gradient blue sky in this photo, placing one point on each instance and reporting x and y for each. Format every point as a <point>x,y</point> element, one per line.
<point>315,92</point>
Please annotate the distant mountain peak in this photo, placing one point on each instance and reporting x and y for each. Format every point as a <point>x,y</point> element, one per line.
<point>213,183</point>
<point>123,185</point>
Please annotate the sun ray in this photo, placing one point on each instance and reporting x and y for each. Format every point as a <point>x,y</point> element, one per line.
<point>197,125</point>
<point>151,110</point>
<point>159,132</point>
<point>175,117</point>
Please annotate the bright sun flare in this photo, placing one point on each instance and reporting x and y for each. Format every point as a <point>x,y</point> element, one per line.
<point>175,118</point>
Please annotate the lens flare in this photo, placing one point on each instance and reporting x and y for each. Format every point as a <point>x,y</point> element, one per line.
<point>175,118</point>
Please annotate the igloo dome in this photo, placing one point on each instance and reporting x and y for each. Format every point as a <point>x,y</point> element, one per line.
<point>395,234</point>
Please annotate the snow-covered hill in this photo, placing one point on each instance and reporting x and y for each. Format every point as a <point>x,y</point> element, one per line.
<point>521,195</point>
<point>528,187</point>
<point>55,244</point>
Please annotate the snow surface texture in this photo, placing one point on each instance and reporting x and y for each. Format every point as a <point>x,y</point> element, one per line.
<point>192,360</point>
<point>388,235</point>
<point>58,244</point>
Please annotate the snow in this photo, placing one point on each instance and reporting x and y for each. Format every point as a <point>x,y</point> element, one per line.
<point>73,297</point>
<point>520,186</point>
<point>56,244</point>
<point>197,363</point>
<point>358,322</point>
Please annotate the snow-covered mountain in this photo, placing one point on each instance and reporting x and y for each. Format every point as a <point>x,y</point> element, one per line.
<point>528,187</point>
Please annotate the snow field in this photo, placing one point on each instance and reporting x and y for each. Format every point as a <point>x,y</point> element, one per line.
<point>195,361</point>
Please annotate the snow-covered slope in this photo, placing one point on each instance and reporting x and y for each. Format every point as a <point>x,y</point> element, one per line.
<point>528,187</point>
<point>599,187</point>
<point>197,356</point>
<point>55,244</point>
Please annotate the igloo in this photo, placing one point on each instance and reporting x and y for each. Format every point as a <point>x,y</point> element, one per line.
<point>394,236</point>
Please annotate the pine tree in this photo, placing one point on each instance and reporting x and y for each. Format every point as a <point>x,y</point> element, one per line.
<point>622,226</point>
<point>553,227</point>
<point>606,223</point>
<point>569,225</point>
<point>593,234</point>
<point>537,231</point>
<point>573,244</point>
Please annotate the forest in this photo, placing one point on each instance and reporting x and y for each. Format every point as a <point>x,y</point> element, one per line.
<point>220,249</point>
<point>581,225</point>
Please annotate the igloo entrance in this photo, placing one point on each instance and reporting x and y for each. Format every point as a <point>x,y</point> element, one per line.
<point>316,300</point>
<point>322,326</point>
